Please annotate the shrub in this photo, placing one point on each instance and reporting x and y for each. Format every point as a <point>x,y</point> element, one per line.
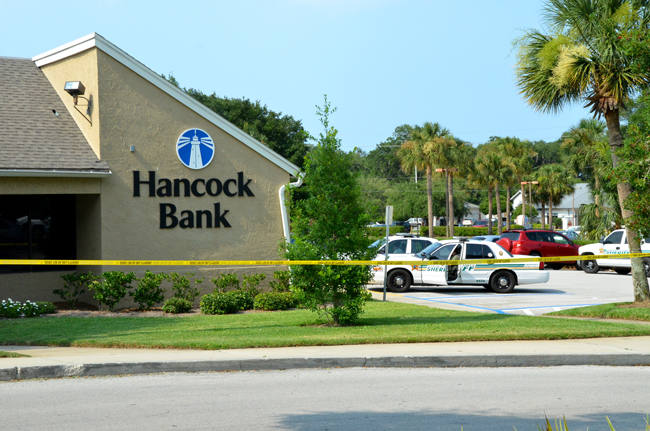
<point>225,282</point>
<point>251,282</point>
<point>282,282</point>
<point>177,306</point>
<point>46,307</point>
<point>112,289</point>
<point>14,309</point>
<point>149,291</point>
<point>74,285</point>
<point>219,303</point>
<point>380,232</point>
<point>272,301</point>
<point>182,288</point>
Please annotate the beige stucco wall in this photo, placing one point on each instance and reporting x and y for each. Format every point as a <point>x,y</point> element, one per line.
<point>80,67</point>
<point>135,112</point>
<point>49,186</point>
<point>128,110</point>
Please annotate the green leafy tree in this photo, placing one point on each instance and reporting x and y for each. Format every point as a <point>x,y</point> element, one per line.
<point>382,162</point>
<point>635,169</point>
<point>329,224</point>
<point>417,153</point>
<point>281,133</point>
<point>518,157</point>
<point>581,56</point>
<point>556,182</point>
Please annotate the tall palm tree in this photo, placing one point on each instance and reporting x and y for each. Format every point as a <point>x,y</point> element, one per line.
<point>579,57</point>
<point>489,166</point>
<point>518,156</point>
<point>416,153</point>
<point>589,153</point>
<point>556,182</point>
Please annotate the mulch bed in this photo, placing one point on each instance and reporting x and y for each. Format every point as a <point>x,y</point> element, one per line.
<point>643,304</point>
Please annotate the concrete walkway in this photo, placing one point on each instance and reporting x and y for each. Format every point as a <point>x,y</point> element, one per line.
<point>53,362</point>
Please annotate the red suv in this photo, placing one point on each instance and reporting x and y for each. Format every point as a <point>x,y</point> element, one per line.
<point>543,243</point>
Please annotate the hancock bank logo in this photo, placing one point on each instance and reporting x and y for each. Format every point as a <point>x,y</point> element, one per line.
<point>195,148</point>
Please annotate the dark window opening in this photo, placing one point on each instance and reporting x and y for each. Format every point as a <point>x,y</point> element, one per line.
<point>37,227</point>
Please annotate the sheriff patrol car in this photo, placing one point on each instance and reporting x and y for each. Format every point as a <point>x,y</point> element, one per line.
<point>497,277</point>
<point>615,243</point>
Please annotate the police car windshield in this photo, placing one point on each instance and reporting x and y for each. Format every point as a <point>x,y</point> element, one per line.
<point>377,243</point>
<point>430,249</point>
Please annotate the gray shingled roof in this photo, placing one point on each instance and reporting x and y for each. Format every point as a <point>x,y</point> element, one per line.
<point>32,137</point>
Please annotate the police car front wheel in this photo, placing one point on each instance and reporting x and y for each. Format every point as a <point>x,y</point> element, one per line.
<point>503,282</point>
<point>399,281</point>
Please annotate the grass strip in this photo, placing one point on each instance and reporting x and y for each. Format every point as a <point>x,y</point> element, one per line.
<point>12,355</point>
<point>607,311</point>
<point>382,322</point>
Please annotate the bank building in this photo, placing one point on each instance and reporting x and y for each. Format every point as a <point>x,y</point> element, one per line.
<point>103,159</point>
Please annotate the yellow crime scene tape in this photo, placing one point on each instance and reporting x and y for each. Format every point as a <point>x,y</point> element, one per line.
<point>308,262</point>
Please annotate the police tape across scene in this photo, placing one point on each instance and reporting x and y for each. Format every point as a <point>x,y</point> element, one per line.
<point>306,262</point>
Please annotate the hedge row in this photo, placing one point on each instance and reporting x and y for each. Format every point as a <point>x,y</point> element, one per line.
<point>440,231</point>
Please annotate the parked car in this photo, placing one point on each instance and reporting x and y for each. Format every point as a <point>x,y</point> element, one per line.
<point>414,221</point>
<point>401,245</point>
<point>542,243</point>
<point>615,243</point>
<point>489,238</point>
<point>405,224</point>
<point>571,234</point>
<point>480,223</point>
<point>498,277</point>
<point>468,222</point>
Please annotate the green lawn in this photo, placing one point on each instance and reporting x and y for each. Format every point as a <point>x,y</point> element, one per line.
<point>607,311</point>
<point>12,355</point>
<point>381,323</point>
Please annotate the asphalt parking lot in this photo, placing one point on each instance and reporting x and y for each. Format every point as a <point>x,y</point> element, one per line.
<point>565,289</point>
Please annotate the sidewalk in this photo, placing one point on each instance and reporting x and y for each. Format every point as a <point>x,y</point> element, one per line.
<point>52,362</point>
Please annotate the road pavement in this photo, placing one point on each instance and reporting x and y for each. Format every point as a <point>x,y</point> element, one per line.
<point>476,399</point>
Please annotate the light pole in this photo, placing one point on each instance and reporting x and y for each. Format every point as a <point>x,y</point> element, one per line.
<point>530,196</point>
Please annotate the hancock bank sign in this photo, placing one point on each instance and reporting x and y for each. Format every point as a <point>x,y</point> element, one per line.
<point>195,150</point>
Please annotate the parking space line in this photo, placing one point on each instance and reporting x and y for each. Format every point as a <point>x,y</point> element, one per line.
<point>527,311</point>
<point>453,303</point>
<point>550,306</point>
<point>490,295</point>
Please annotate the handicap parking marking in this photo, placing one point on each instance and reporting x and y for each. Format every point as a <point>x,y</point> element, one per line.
<point>554,307</point>
<point>487,295</point>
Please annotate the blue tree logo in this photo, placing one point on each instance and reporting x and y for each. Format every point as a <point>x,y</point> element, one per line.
<point>195,148</point>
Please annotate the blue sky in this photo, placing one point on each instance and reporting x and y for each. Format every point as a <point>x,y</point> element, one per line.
<point>382,63</point>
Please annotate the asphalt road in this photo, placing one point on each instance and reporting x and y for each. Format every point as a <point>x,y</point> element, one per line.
<point>565,289</point>
<point>481,399</point>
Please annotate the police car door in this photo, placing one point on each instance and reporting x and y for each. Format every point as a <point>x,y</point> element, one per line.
<point>614,244</point>
<point>478,273</point>
<point>436,274</point>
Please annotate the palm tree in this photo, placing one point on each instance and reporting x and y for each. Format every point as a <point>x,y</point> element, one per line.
<point>416,153</point>
<point>589,153</point>
<point>518,156</point>
<point>580,58</point>
<point>489,167</point>
<point>556,182</point>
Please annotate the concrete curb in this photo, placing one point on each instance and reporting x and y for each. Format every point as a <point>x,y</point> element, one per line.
<point>492,361</point>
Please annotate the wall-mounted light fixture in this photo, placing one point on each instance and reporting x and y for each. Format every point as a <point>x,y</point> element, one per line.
<point>76,89</point>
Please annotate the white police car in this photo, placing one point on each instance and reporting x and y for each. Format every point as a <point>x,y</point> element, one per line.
<point>498,277</point>
<point>615,243</point>
<point>402,244</point>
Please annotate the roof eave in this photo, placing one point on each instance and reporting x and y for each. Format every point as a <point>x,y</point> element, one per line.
<point>36,173</point>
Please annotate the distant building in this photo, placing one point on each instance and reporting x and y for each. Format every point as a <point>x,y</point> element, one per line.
<point>565,210</point>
